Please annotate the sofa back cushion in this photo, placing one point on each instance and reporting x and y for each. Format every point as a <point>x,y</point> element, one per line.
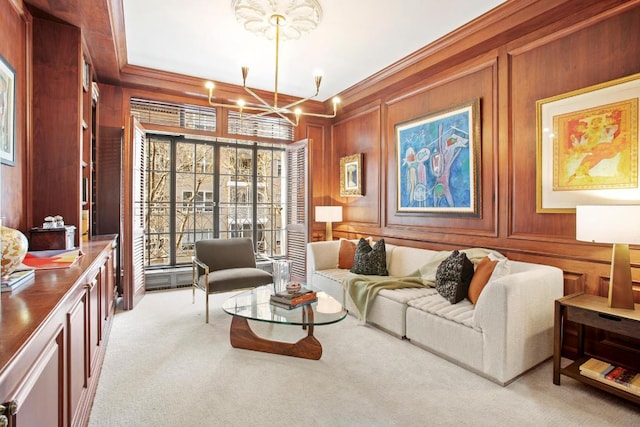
<point>481,276</point>
<point>347,254</point>
<point>403,260</point>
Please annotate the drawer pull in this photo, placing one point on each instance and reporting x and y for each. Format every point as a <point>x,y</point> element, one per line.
<point>610,317</point>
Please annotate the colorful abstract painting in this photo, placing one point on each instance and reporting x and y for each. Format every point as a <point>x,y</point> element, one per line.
<point>597,148</point>
<point>588,144</point>
<point>436,161</point>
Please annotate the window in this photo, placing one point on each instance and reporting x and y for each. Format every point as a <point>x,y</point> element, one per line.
<point>209,189</point>
<point>203,200</point>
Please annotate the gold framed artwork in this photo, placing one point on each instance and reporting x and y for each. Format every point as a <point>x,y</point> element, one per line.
<point>587,146</point>
<point>351,176</point>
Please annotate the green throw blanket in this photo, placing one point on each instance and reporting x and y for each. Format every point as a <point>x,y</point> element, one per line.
<point>363,289</point>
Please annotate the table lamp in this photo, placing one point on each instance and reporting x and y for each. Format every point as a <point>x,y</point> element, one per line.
<point>328,214</point>
<point>619,225</point>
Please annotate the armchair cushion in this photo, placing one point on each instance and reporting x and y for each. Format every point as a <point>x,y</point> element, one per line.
<point>235,278</point>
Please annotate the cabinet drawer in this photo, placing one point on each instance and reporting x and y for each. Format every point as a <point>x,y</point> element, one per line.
<point>605,321</point>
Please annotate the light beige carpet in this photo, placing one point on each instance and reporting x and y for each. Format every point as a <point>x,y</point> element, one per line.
<point>165,367</point>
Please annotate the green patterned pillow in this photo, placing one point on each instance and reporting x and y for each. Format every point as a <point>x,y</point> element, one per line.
<point>370,260</point>
<point>453,277</point>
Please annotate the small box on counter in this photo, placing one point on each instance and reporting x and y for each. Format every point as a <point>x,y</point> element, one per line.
<point>43,239</point>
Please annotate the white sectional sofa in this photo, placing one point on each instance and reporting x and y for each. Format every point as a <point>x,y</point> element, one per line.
<point>508,331</point>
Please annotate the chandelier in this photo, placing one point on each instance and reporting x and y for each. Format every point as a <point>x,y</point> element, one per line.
<point>276,19</point>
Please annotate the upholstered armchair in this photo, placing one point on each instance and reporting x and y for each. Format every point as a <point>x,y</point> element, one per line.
<point>221,265</point>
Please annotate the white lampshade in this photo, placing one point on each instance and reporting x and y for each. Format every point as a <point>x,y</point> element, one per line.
<point>328,213</point>
<point>608,224</point>
<point>616,224</point>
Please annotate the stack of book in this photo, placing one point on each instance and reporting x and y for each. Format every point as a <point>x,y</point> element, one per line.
<point>616,376</point>
<point>16,279</point>
<point>292,300</point>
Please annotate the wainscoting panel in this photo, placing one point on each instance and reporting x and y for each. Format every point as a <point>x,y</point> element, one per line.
<point>359,133</point>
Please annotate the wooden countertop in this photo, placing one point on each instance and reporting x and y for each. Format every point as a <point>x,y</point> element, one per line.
<point>25,309</point>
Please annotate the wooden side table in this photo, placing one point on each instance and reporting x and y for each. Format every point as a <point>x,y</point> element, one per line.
<point>591,310</point>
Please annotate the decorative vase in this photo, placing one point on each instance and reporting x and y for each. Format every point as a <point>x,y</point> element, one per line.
<point>14,249</point>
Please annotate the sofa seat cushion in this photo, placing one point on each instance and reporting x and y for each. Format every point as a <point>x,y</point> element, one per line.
<point>404,295</point>
<point>388,309</point>
<point>461,312</point>
<point>336,274</point>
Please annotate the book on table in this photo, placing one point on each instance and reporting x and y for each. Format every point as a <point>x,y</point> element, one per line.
<point>293,300</point>
<point>289,306</point>
<point>17,279</point>
<point>595,367</point>
<point>615,376</point>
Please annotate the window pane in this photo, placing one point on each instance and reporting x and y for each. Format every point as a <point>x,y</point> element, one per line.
<point>246,202</point>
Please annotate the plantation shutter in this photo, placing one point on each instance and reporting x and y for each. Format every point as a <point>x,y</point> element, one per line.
<point>134,218</point>
<point>297,212</point>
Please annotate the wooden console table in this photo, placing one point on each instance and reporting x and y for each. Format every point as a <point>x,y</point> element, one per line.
<point>591,310</point>
<point>53,336</point>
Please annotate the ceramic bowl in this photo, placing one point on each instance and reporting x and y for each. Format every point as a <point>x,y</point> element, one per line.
<point>293,287</point>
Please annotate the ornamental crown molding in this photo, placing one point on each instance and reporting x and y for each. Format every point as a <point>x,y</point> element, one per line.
<point>300,17</point>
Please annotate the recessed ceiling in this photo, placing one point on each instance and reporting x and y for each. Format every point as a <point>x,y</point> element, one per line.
<point>354,40</point>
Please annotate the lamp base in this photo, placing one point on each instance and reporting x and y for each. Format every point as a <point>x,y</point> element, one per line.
<point>620,286</point>
<point>328,231</point>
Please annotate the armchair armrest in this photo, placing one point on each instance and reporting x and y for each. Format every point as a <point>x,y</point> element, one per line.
<point>198,268</point>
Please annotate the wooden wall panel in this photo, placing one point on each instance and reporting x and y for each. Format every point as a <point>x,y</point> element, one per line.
<point>475,81</point>
<point>550,65</point>
<point>533,62</point>
<point>109,161</point>
<point>15,27</point>
<point>359,133</point>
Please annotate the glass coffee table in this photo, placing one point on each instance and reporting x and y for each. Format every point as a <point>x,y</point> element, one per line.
<point>254,305</point>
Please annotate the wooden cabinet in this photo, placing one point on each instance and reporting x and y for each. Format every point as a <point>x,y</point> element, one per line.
<point>54,340</point>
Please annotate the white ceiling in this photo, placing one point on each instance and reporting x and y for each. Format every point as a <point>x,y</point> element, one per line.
<point>355,39</point>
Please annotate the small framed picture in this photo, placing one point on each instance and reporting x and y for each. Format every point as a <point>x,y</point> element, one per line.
<point>351,176</point>
<point>7,113</point>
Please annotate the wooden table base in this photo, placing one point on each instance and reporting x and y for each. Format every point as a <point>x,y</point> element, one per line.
<point>242,336</point>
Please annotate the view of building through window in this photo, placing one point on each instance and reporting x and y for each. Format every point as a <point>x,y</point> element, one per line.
<point>212,189</point>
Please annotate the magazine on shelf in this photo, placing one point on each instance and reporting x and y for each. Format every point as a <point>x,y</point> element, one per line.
<point>51,259</point>
<point>17,279</point>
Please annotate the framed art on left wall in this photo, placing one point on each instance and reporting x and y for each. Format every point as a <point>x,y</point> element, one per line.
<point>7,113</point>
